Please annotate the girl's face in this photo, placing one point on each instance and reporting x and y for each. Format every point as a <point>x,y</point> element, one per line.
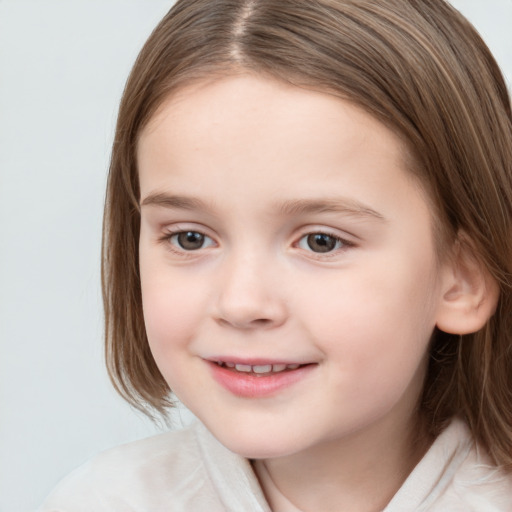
<point>289,274</point>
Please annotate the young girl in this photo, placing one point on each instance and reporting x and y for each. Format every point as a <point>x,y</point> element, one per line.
<point>308,239</point>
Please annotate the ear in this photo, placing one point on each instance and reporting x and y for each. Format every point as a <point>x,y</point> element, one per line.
<point>469,295</point>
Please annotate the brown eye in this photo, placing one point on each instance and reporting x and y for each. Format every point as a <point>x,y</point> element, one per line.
<point>189,240</point>
<point>320,242</point>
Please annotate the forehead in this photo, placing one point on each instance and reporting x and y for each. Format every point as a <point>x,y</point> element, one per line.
<point>262,108</point>
<point>248,131</point>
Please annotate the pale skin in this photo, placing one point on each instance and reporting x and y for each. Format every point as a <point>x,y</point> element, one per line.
<point>309,242</point>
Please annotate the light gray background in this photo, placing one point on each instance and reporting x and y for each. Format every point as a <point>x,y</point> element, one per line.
<point>62,69</point>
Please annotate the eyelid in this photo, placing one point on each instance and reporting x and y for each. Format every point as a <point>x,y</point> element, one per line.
<point>180,227</point>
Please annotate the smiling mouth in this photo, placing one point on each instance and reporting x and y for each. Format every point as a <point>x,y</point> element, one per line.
<point>262,379</point>
<point>260,370</point>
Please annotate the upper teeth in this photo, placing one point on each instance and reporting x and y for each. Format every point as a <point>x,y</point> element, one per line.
<point>260,368</point>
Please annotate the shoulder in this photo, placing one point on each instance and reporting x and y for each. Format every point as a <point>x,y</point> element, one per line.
<point>455,475</point>
<point>477,485</point>
<point>136,476</point>
<point>186,470</point>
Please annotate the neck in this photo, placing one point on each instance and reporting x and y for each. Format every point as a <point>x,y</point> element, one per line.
<point>360,473</point>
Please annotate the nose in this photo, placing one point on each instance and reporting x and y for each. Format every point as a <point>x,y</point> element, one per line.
<point>249,295</point>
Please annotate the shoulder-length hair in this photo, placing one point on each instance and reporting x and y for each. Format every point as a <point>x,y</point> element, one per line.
<point>417,66</point>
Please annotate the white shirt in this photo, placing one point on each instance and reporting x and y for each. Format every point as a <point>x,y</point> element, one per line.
<point>190,471</point>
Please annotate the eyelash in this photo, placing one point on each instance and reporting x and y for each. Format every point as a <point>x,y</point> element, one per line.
<point>343,243</point>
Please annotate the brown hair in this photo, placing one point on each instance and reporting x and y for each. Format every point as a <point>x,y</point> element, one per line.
<point>416,65</point>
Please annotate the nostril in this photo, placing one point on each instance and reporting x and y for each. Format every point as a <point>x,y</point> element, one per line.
<point>261,321</point>
<point>252,324</point>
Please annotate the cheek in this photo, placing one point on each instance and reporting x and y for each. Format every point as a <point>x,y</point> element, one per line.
<point>374,332</point>
<point>171,308</point>
<point>171,319</point>
<point>378,317</point>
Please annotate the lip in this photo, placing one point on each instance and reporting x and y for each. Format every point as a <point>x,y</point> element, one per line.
<point>248,385</point>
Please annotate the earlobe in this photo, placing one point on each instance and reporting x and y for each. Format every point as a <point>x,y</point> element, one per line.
<point>469,295</point>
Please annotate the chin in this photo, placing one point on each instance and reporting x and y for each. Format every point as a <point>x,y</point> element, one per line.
<point>257,443</point>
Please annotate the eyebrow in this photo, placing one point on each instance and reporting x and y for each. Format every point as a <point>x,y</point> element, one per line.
<point>175,202</point>
<point>329,205</point>
<point>289,208</point>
